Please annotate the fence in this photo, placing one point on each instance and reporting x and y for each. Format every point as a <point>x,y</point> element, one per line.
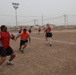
<point>40,20</point>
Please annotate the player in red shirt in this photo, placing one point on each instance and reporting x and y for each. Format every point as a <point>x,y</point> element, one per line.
<point>24,36</point>
<point>6,50</point>
<point>48,35</point>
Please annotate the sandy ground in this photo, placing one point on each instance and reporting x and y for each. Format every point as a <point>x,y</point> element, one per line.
<point>41,59</point>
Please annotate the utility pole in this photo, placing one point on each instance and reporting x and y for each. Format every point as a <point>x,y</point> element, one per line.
<point>34,22</point>
<point>37,21</point>
<point>15,6</point>
<point>67,21</point>
<point>42,20</point>
<point>64,19</point>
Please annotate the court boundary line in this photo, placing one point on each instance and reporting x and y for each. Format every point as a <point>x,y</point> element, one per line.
<point>56,41</point>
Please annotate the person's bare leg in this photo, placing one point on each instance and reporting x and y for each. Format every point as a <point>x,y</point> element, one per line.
<point>50,40</point>
<point>23,47</point>
<point>46,40</point>
<point>12,56</point>
<point>2,60</point>
<point>20,47</point>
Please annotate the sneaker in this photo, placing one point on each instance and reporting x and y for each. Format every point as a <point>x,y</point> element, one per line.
<point>9,63</point>
<point>22,51</point>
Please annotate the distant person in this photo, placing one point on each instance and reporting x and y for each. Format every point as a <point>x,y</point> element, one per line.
<point>20,29</point>
<point>48,35</point>
<point>5,49</point>
<point>39,29</point>
<point>24,38</point>
<point>29,30</point>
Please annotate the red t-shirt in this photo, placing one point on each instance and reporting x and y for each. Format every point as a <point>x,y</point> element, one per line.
<point>24,35</point>
<point>48,29</point>
<point>5,39</point>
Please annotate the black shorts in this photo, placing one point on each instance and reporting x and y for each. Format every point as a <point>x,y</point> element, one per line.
<point>22,42</point>
<point>39,30</point>
<point>6,52</point>
<point>48,34</point>
<point>29,31</point>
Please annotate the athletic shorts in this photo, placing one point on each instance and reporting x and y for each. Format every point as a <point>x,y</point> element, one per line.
<point>23,42</point>
<point>6,52</point>
<point>39,30</point>
<point>29,31</point>
<point>48,34</point>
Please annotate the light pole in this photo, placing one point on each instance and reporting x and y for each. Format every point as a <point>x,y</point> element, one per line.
<point>64,19</point>
<point>15,5</point>
<point>34,22</point>
<point>42,20</point>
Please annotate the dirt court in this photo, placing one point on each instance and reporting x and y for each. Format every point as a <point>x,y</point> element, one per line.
<point>41,59</point>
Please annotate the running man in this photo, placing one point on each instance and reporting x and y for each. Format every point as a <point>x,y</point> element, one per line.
<point>6,50</point>
<point>48,35</point>
<point>24,38</point>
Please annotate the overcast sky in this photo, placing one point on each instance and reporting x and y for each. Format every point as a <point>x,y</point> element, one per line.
<point>34,9</point>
